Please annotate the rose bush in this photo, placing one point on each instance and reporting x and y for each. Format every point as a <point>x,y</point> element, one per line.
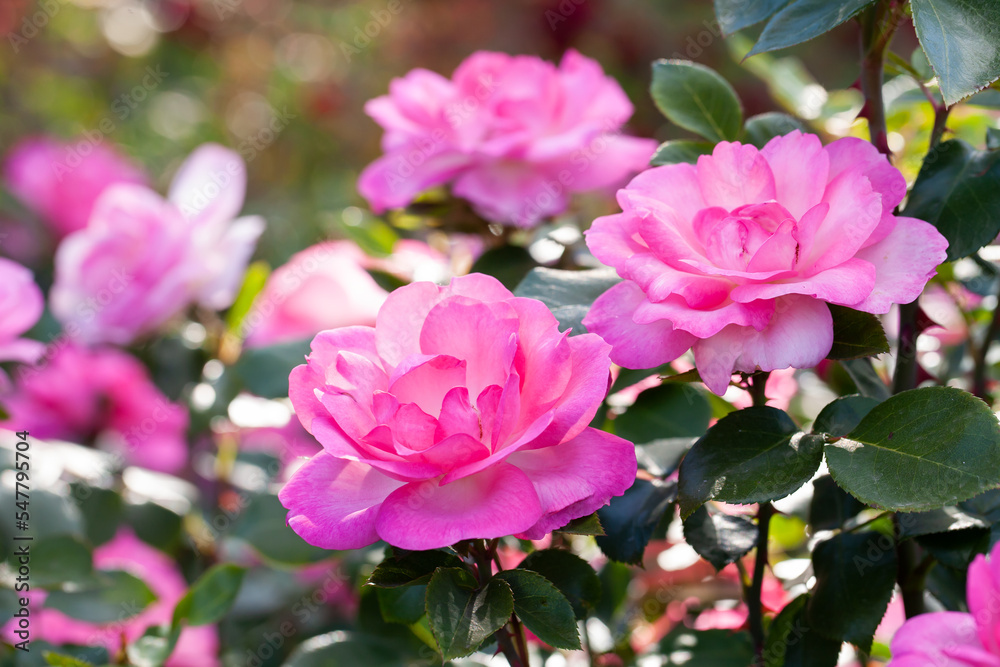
<point>462,414</point>
<point>104,397</point>
<point>956,639</point>
<point>738,256</point>
<point>141,259</point>
<point>60,183</point>
<point>196,647</point>
<point>21,304</point>
<point>514,135</point>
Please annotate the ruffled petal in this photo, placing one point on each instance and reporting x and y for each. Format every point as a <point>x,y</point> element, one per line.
<point>333,503</point>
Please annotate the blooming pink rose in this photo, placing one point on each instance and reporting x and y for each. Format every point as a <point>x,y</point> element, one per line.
<point>143,259</point>
<point>954,639</point>
<point>196,647</point>
<point>738,256</point>
<point>514,135</point>
<point>61,182</point>
<point>21,304</point>
<point>102,397</point>
<point>462,414</point>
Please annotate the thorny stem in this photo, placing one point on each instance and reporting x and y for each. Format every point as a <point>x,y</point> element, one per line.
<point>979,369</point>
<point>511,642</point>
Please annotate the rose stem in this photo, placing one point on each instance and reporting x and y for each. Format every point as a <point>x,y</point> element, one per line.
<point>755,385</point>
<point>515,650</point>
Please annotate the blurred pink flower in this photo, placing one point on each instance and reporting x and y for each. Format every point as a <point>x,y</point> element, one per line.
<point>62,181</point>
<point>196,647</point>
<point>737,257</point>
<point>322,287</point>
<point>104,397</point>
<point>462,414</point>
<point>514,135</point>
<point>142,259</point>
<point>326,286</point>
<point>21,304</point>
<point>955,639</point>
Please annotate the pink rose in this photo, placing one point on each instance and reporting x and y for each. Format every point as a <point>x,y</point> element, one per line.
<point>143,259</point>
<point>738,256</point>
<point>955,639</point>
<point>327,286</point>
<point>322,287</point>
<point>61,182</point>
<point>462,414</point>
<point>104,397</point>
<point>21,304</point>
<point>196,647</point>
<point>514,135</point>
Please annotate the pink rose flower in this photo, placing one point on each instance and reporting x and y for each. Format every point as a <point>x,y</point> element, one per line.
<point>21,304</point>
<point>462,414</point>
<point>514,135</point>
<point>955,639</point>
<point>196,647</point>
<point>61,182</point>
<point>102,397</point>
<point>143,259</point>
<point>326,286</point>
<point>322,287</point>
<point>738,256</point>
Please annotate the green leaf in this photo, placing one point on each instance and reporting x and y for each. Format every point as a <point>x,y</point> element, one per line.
<point>102,511</point>
<point>60,660</point>
<point>791,642</point>
<point>803,20</point>
<point>719,538</point>
<point>957,548</point>
<point>962,42</point>
<point>411,567</point>
<point>117,596</point>
<point>919,450</point>
<point>630,519</point>
<point>509,264</point>
<point>866,378</point>
<point>403,604</point>
<point>264,370</point>
<point>154,647</point>
<point>661,457</point>
<point>958,191</point>
<point>856,334</point>
<point>210,597</point>
<point>262,525</point>
<point>671,410</point>
<point>706,648</point>
<point>696,98</point>
<point>56,560</point>
<point>831,506</point>
<point>572,575</point>
<point>761,128</point>
<point>585,525</point>
<point>347,648</point>
<point>942,520</point>
<point>750,456</point>
<point>673,152</point>
<point>568,294</point>
<point>462,616</point>
<point>253,282</point>
<point>542,608</point>
<point>843,414</point>
<point>735,15</point>
<point>855,575</point>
